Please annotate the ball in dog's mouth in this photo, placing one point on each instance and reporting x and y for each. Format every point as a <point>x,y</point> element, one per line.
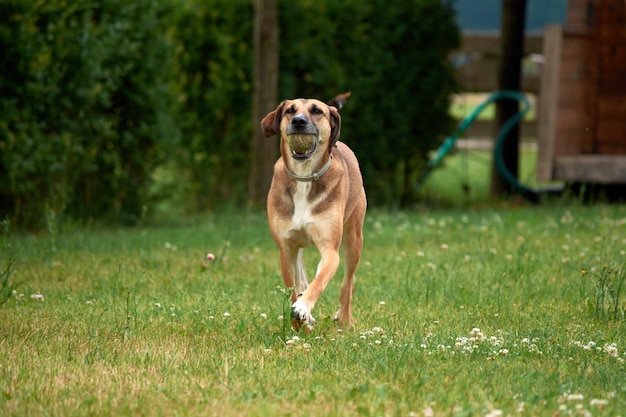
<point>302,145</point>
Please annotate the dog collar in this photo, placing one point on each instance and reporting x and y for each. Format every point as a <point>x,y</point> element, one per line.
<point>313,177</point>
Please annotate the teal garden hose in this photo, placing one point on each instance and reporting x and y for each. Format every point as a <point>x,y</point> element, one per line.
<point>448,143</point>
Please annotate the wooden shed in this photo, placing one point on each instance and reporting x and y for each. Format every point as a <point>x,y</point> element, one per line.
<point>582,103</point>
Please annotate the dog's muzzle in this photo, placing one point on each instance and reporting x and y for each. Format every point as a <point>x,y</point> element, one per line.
<point>301,137</point>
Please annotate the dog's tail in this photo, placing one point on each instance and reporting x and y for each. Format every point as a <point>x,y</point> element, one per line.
<point>340,100</point>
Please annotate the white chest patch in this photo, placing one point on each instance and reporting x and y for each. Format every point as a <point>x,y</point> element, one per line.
<point>301,215</point>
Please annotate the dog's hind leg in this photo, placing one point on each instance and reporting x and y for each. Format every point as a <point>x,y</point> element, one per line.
<point>352,246</point>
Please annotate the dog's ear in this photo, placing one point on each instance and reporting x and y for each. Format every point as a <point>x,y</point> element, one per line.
<point>335,127</point>
<point>271,122</point>
<point>340,100</point>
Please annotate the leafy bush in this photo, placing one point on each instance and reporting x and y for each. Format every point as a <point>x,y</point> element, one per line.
<point>85,106</point>
<point>394,59</point>
<point>97,99</point>
<point>214,57</point>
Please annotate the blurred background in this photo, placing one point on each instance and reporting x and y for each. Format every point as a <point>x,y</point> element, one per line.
<point>120,110</point>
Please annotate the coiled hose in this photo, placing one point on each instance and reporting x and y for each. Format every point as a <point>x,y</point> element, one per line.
<point>448,143</point>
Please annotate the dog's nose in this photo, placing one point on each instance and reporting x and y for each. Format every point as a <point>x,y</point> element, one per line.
<point>299,120</point>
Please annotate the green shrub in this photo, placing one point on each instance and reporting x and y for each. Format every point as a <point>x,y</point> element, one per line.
<point>85,107</point>
<point>393,56</point>
<point>97,99</point>
<point>214,56</point>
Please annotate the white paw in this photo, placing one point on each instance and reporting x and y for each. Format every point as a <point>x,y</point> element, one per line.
<point>300,312</point>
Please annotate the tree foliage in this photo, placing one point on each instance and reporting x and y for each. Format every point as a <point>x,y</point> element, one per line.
<point>85,107</point>
<point>97,99</point>
<point>394,59</point>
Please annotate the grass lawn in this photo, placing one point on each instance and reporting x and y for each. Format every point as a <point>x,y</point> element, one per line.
<point>464,177</point>
<point>459,312</point>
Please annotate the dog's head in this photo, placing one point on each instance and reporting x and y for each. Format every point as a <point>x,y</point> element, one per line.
<point>305,125</point>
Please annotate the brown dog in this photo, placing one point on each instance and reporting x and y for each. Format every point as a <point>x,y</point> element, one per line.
<point>316,198</point>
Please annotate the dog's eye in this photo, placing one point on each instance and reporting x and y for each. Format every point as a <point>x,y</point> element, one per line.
<point>316,110</point>
<point>290,110</point>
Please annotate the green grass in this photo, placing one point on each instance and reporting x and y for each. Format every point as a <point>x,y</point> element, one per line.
<point>463,178</point>
<point>138,322</point>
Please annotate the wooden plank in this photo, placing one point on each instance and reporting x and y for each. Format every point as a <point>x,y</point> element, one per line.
<point>578,15</point>
<point>575,47</point>
<point>575,95</point>
<point>612,108</point>
<point>548,101</point>
<point>612,83</point>
<point>613,55</point>
<point>600,169</point>
<point>613,32</point>
<point>611,136</point>
<point>610,11</point>
<point>578,70</point>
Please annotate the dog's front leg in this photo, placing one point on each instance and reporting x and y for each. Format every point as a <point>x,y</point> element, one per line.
<point>303,306</point>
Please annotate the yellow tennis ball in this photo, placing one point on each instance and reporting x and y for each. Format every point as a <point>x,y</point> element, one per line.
<point>301,143</point>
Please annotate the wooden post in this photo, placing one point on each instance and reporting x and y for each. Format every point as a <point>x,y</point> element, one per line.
<point>265,98</point>
<point>509,76</point>
<point>548,101</point>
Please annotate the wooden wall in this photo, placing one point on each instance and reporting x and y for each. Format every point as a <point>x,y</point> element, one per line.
<point>611,111</point>
<point>582,132</point>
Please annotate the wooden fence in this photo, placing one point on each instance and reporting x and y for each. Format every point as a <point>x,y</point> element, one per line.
<point>477,64</point>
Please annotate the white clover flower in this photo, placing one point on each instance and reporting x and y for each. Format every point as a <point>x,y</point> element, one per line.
<point>381,303</point>
<point>599,403</point>
<point>226,314</point>
<point>611,350</point>
<point>503,352</point>
<point>263,315</point>
<point>420,254</point>
<point>37,297</point>
<point>444,246</point>
<point>477,333</point>
<point>575,397</point>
